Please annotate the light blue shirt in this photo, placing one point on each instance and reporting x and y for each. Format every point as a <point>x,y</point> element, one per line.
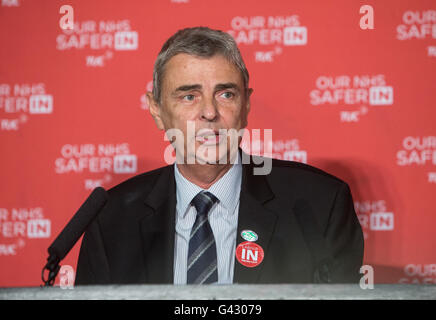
<point>223,219</point>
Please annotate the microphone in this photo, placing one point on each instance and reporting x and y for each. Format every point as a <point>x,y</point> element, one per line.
<point>315,241</point>
<point>72,232</point>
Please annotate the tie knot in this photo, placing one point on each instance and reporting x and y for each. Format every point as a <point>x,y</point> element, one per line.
<point>203,201</point>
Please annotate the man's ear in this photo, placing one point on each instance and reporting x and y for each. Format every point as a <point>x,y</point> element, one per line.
<point>155,110</point>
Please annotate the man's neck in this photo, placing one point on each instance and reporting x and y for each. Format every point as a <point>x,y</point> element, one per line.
<point>203,175</point>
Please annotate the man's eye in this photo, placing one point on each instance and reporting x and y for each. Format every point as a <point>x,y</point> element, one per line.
<point>189,97</point>
<point>228,95</point>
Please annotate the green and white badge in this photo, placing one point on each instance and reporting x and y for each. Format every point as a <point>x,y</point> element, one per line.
<point>249,235</point>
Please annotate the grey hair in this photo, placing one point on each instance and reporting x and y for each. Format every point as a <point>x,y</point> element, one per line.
<point>201,42</point>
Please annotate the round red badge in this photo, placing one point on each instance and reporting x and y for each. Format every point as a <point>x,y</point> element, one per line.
<point>249,254</point>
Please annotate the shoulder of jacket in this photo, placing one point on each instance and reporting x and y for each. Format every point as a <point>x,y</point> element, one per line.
<point>136,186</point>
<point>283,169</point>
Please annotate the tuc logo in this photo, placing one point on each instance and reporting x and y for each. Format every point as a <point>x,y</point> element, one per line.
<point>373,215</point>
<point>41,104</point>
<point>125,163</point>
<point>382,221</point>
<point>418,151</point>
<point>38,228</point>
<point>18,224</point>
<point>288,150</point>
<point>419,274</point>
<point>418,25</point>
<point>10,3</point>
<point>101,159</point>
<point>357,91</point>
<point>295,36</point>
<point>379,96</point>
<point>126,40</point>
<point>103,36</point>
<point>275,148</point>
<point>269,33</point>
<point>18,101</point>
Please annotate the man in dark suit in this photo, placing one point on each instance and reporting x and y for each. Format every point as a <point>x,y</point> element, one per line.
<point>216,215</point>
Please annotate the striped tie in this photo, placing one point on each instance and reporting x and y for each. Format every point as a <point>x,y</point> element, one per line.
<point>202,263</point>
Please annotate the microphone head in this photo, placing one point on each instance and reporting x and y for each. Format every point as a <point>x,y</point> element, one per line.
<point>98,198</point>
<point>79,223</point>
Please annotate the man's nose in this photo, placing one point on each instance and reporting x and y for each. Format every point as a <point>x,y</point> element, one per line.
<point>209,111</point>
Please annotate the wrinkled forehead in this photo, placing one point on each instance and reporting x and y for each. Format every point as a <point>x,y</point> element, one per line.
<point>186,69</point>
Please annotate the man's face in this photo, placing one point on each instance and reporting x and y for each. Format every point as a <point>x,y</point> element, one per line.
<point>208,92</point>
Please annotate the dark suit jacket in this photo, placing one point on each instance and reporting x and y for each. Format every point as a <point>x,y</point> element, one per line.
<point>302,215</point>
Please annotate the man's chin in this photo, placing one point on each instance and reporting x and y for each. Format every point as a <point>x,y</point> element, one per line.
<point>209,155</point>
<point>228,158</point>
<point>212,161</point>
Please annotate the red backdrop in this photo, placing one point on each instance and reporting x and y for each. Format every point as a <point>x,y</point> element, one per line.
<point>358,103</point>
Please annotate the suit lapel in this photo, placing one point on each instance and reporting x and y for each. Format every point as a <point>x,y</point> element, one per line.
<point>158,228</point>
<point>255,193</point>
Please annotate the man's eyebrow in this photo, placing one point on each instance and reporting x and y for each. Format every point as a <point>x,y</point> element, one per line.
<point>188,87</point>
<point>218,87</point>
<point>223,86</point>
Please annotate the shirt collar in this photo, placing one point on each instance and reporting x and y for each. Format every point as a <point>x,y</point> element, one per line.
<point>226,189</point>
